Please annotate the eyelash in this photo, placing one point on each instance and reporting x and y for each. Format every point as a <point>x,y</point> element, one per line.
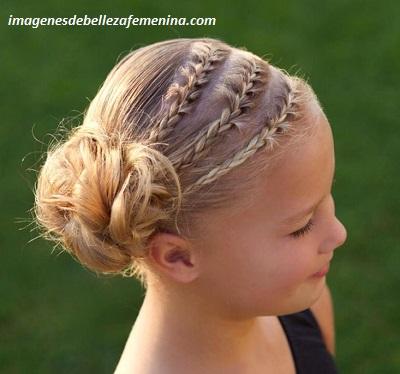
<point>304,230</point>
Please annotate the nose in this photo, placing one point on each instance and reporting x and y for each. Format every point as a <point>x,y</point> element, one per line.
<point>341,233</point>
<point>336,237</point>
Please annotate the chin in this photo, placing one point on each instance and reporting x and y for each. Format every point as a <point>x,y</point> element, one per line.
<point>317,292</point>
<point>304,299</point>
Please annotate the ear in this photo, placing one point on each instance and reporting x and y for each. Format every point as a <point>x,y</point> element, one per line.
<point>174,256</point>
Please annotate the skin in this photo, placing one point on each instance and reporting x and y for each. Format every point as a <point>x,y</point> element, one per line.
<point>214,302</point>
<point>324,313</point>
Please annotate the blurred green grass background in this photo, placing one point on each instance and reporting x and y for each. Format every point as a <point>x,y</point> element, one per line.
<point>56,316</point>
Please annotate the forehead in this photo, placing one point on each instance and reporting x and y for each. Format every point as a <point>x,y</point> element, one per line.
<point>301,177</point>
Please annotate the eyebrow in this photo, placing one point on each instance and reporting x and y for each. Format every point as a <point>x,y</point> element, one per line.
<point>308,210</point>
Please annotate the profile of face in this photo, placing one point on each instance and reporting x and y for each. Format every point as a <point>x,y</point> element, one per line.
<point>262,259</point>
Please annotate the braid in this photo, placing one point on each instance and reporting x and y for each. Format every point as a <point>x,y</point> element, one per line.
<point>277,125</point>
<point>196,74</point>
<point>238,101</point>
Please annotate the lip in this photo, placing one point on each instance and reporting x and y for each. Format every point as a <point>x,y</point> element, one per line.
<point>322,272</point>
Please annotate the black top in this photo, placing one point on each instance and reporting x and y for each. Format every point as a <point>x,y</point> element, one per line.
<point>307,345</point>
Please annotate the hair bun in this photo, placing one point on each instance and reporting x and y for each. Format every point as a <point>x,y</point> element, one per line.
<point>102,198</point>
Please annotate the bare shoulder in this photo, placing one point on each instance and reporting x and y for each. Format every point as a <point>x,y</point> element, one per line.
<point>324,313</point>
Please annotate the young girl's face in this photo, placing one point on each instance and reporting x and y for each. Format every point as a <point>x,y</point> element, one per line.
<point>256,261</point>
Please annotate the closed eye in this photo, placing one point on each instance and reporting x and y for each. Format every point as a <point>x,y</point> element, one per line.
<point>304,230</point>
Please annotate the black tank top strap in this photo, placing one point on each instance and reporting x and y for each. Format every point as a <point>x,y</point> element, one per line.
<point>306,343</point>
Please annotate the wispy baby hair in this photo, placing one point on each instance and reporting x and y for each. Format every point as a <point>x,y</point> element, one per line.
<point>161,143</point>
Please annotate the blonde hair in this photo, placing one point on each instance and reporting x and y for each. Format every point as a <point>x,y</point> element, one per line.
<point>161,143</point>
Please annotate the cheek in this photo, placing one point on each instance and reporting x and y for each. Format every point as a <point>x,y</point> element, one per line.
<point>252,266</point>
<point>293,265</point>
<point>237,267</point>
<point>260,264</point>
<point>252,275</point>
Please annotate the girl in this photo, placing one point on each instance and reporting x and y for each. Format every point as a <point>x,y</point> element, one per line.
<point>205,172</point>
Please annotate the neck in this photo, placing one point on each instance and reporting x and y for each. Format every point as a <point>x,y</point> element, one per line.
<point>168,327</point>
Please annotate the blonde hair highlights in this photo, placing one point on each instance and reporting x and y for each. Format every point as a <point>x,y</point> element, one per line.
<point>162,142</point>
